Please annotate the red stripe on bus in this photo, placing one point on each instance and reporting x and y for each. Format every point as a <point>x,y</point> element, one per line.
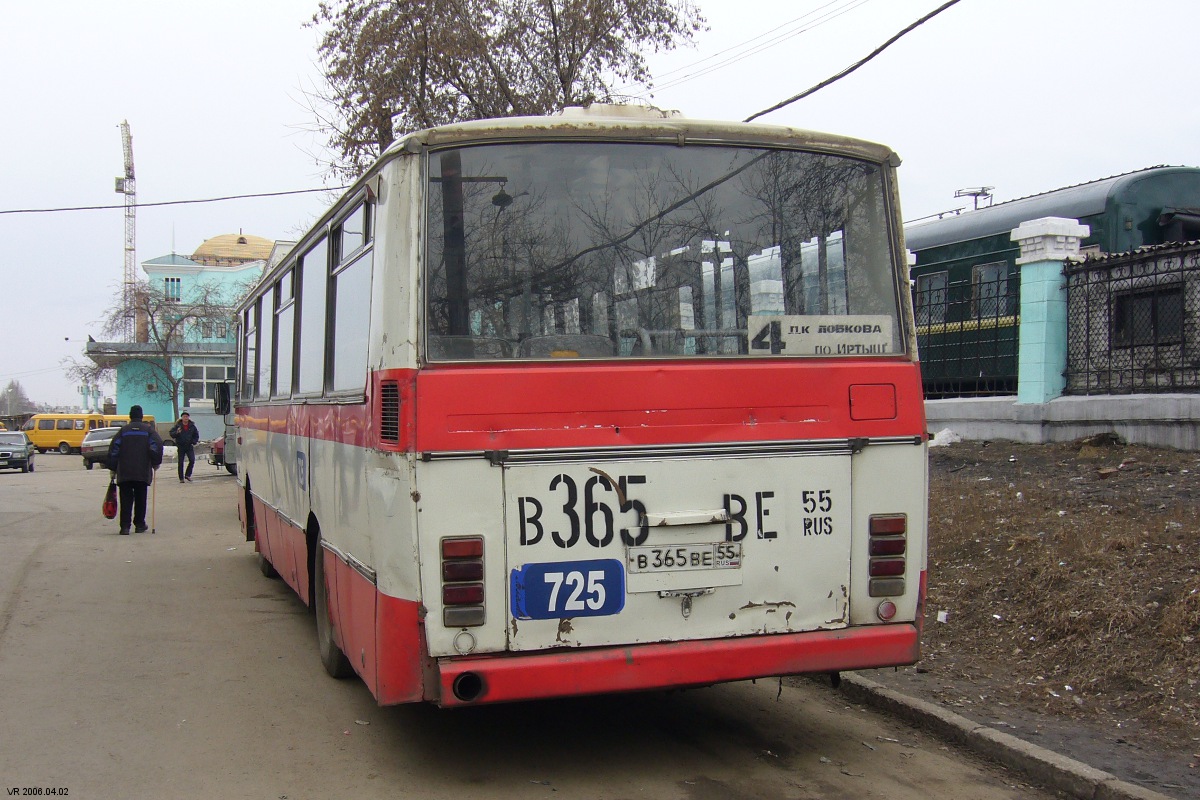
<point>467,407</point>
<point>678,664</point>
<point>615,405</point>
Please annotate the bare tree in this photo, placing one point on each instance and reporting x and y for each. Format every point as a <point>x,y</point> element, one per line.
<point>14,401</point>
<point>399,65</point>
<point>167,329</point>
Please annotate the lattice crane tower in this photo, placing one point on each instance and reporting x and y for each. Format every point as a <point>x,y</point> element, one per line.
<point>127,186</point>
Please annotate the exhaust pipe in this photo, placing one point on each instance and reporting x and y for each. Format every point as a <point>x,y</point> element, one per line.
<point>468,687</point>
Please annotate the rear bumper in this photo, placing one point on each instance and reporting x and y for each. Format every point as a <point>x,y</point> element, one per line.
<point>498,679</point>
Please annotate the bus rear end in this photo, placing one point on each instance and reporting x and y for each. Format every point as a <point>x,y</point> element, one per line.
<point>666,427</point>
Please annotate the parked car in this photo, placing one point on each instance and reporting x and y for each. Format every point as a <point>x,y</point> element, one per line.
<point>95,446</point>
<point>16,451</point>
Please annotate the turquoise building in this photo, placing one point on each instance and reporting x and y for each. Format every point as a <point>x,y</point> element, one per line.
<point>224,268</point>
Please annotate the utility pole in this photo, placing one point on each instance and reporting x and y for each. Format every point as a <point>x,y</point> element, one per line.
<point>127,186</point>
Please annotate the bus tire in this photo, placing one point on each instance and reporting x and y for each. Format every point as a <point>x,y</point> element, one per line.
<point>231,468</point>
<point>64,448</point>
<point>266,568</point>
<point>332,657</point>
<point>88,465</point>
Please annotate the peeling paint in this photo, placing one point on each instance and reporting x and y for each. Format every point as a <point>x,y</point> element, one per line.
<point>565,628</point>
<point>769,606</point>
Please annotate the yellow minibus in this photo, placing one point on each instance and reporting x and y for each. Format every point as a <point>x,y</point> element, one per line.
<point>65,432</point>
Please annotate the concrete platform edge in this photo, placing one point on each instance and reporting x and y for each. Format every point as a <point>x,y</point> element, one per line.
<point>1038,764</point>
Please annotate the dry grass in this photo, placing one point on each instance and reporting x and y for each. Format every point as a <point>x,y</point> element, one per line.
<point>1070,576</point>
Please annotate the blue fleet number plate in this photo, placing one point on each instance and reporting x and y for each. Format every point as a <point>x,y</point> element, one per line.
<point>562,589</point>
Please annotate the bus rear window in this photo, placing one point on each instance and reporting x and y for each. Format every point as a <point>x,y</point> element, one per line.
<point>550,250</point>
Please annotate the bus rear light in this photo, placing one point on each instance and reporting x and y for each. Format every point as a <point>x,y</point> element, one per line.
<point>886,587</point>
<point>462,616</point>
<point>463,547</point>
<point>888,525</point>
<point>889,546</point>
<point>462,581</point>
<point>462,594</point>
<point>886,567</point>
<point>462,571</point>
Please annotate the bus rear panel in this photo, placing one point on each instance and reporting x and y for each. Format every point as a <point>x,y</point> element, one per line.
<point>640,409</point>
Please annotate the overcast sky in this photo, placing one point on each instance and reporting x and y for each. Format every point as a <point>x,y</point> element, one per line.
<point>1021,95</point>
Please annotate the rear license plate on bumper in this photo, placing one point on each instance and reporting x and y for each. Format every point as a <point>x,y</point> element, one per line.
<point>671,558</point>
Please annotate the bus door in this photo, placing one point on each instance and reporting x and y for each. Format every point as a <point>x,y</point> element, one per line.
<point>288,460</point>
<point>725,544</point>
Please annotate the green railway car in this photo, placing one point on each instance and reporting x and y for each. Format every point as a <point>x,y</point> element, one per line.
<point>965,282</point>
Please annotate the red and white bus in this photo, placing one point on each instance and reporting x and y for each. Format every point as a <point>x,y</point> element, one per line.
<point>606,401</point>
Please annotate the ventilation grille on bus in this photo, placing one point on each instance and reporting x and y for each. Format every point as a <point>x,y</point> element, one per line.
<point>389,412</point>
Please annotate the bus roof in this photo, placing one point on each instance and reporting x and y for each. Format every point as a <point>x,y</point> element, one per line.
<point>643,123</point>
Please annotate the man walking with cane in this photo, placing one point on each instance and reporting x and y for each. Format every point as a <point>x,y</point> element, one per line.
<point>186,435</point>
<point>135,452</point>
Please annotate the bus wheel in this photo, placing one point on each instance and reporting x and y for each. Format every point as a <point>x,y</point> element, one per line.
<point>265,567</point>
<point>88,465</point>
<point>332,657</point>
<point>231,469</point>
<point>64,448</point>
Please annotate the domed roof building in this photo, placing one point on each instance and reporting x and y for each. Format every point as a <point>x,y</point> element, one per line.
<point>169,368</point>
<point>232,249</point>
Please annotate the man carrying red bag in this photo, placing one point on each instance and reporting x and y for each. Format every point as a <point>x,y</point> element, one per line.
<point>134,455</point>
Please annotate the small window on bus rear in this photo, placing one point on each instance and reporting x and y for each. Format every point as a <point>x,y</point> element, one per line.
<point>608,250</point>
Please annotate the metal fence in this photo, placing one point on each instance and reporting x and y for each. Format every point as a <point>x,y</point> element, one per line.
<point>967,337</point>
<point>1133,322</point>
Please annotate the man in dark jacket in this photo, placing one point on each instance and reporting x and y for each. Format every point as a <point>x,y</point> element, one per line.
<point>186,435</point>
<point>134,455</point>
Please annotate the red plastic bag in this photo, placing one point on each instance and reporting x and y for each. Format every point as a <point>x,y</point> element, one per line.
<point>109,508</point>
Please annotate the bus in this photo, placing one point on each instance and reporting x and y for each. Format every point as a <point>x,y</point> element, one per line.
<point>65,432</point>
<point>605,401</point>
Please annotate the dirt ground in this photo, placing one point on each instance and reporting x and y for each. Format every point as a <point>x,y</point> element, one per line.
<point>1064,601</point>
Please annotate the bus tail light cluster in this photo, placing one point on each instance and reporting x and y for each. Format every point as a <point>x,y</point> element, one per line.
<point>887,548</point>
<point>462,581</point>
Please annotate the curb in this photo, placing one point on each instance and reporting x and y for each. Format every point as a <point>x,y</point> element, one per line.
<point>1037,763</point>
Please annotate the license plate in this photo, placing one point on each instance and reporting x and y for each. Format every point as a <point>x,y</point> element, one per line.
<point>672,558</point>
<point>3,463</point>
<point>564,589</point>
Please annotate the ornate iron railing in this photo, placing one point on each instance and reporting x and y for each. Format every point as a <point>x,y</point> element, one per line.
<point>1133,322</point>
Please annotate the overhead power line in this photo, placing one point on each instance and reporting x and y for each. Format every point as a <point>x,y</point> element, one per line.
<point>854,66</point>
<point>172,202</point>
<point>750,118</point>
<point>753,46</point>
